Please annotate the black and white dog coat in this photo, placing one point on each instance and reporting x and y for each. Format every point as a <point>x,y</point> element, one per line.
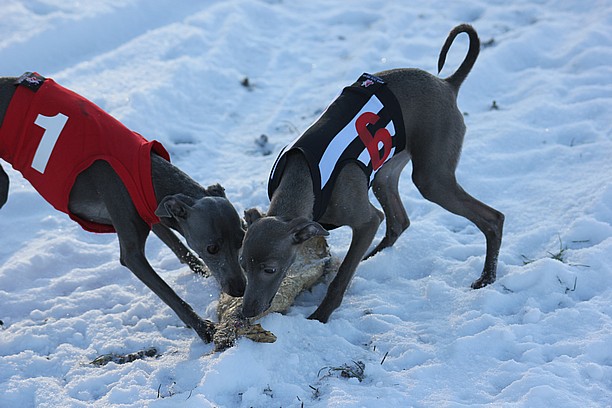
<point>363,125</point>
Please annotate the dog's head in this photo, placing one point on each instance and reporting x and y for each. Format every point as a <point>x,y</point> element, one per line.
<point>212,228</point>
<point>269,249</point>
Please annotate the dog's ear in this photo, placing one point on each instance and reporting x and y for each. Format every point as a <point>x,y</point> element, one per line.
<point>216,190</point>
<point>251,215</point>
<point>174,206</point>
<point>302,229</point>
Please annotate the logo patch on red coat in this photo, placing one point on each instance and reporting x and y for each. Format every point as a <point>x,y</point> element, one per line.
<point>31,80</point>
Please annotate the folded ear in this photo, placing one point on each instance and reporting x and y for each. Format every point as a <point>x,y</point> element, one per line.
<point>216,190</point>
<point>251,215</point>
<point>174,206</point>
<point>303,229</point>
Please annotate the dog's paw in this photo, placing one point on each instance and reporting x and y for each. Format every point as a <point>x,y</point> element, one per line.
<point>323,318</point>
<point>482,282</point>
<point>206,330</point>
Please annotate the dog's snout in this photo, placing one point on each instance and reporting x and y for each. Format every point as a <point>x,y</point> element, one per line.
<point>236,291</point>
<point>248,312</point>
<point>235,287</point>
<point>254,307</point>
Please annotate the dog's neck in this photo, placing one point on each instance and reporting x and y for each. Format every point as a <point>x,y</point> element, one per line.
<point>293,197</point>
<point>7,89</point>
<point>169,180</point>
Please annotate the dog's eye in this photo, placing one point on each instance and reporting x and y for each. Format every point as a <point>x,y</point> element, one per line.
<point>212,249</point>
<point>268,270</point>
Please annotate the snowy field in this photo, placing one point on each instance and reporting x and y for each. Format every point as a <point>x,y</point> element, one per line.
<point>538,107</point>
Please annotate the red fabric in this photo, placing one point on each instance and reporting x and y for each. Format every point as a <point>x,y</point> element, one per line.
<point>89,134</point>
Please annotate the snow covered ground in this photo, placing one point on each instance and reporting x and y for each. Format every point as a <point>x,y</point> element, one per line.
<point>172,70</point>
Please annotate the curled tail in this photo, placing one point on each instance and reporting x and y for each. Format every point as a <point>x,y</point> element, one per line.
<point>462,72</point>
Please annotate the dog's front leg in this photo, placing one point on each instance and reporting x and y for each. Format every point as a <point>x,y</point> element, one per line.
<point>363,235</point>
<point>98,183</point>
<point>181,251</point>
<point>133,257</point>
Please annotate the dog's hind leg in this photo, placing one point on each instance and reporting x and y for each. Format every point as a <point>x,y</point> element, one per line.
<point>4,187</point>
<point>385,188</point>
<point>180,250</point>
<point>441,188</point>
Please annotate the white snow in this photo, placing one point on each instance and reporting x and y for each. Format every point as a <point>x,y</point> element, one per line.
<point>540,336</point>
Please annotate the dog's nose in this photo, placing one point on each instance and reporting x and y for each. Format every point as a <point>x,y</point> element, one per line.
<point>254,308</point>
<point>248,313</point>
<point>235,287</point>
<point>236,292</point>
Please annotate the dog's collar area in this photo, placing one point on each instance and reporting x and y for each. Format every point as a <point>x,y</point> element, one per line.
<point>31,80</point>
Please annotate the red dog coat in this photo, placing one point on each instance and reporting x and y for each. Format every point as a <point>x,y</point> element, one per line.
<point>50,134</point>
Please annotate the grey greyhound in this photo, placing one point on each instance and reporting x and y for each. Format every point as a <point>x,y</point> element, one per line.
<point>429,129</point>
<point>99,199</point>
